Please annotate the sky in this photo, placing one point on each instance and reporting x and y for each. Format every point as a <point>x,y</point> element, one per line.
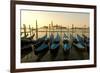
<point>44,18</point>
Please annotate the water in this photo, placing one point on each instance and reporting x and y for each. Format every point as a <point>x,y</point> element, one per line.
<point>42,32</point>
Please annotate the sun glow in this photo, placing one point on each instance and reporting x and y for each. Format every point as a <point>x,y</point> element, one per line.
<point>44,18</point>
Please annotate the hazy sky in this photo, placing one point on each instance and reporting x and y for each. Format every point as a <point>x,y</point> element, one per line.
<point>66,19</point>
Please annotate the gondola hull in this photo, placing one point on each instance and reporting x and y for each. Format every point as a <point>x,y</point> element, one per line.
<point>55,45</point>
<point>66,45</point>
<point>79,47</point>
<point>66,49</point>
<point>54,48</point>
<point>26,50</point>
<point>43,48</point>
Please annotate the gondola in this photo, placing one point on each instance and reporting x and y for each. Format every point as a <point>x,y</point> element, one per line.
<point>54,48</point>
<point>26,50</point>
<point>73,39</point>
<point>66,45</point>
<point>51,39</point>
<point>86,41</point>
<point>39,41</point>
<point>43,48</point>
<point>79,43</point>
<point>26,45</point>
<point>85,37</point>
<point>80,39</point>
<point>31,37</point>
<point>25,42</point>
<point>65,38</point>
<point>79,46</point>
<point>57,38</point>
<point>55,45</point>
<point>24,36</point>
<point>36,43</point>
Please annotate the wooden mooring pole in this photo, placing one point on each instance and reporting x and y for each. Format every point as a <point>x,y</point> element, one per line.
<point>30,30</point>
<point>72,29</point>
<point>25,33</point>
<point>49,30</point>
<point>36,30</point>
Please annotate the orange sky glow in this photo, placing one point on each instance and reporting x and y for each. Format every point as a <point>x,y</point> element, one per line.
<point>44,18</point>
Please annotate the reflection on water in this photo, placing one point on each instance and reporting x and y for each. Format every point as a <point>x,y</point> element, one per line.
<point>42,32</point>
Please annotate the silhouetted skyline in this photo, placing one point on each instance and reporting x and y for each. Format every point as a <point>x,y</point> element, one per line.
<point>44,18</point>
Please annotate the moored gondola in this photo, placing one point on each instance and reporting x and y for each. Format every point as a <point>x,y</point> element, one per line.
<point>79,43</point>
<point>24,36</point>
<point>39,41</point>
<point>80,47</point>
<point>26,50</point>
<point>26,45</point>
<point>86,41</point>
<point>66,45</point>
<point>55,45</point>
<point>31,37</point>
<point>57,38</point>
<point>51,39</point>
<point>43,48</point>
<point>25,42</point>
<point>36,43</point>
<point>80,40</point>
<point>65,38</point>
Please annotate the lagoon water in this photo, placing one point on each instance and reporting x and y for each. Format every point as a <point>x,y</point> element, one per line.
<point>42,32</point>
